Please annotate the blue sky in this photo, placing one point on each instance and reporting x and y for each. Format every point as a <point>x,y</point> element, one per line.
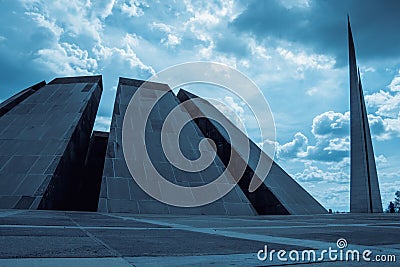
<point>294,50</point>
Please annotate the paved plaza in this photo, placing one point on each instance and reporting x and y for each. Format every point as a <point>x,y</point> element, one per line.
<point>57,238</point>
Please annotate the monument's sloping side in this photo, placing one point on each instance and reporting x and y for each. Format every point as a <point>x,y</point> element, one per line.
<point>8,104</point>
<point>120,192</point>
<point>43,144</point>
<point>365,195</point>
<point>279,193</point>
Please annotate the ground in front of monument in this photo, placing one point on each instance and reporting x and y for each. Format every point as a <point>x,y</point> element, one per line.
<point>57,238</point>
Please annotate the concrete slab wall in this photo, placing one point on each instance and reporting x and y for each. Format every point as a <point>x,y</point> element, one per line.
<point>8,104</point>
<point>120,193</point>
<point>279,193</point>
<point>43,144</point>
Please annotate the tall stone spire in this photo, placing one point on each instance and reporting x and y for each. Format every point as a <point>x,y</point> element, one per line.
<point>365,196</point>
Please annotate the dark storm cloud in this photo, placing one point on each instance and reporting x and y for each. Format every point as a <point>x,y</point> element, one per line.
<point>322,26</point>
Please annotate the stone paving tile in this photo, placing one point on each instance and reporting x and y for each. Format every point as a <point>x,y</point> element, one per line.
<point>170,242</point>
<point>165,240</point>
<point>27,220</point>
<point>41,232</point>
<point>51,246</point>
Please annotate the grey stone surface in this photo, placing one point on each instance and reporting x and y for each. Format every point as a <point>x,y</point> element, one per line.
<point>54,238</point>
<point>279,193</point>
<point>44,138</point>
<point>120,193</point>
<point>10,103</point>
<point>365,196</point>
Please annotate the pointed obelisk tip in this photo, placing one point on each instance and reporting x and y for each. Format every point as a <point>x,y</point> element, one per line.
<point>350,38</point>
<point>348,23</point>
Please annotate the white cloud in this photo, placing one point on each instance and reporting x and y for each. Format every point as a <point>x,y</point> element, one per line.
<point>130,41</point>
<point>394,86</point>
<point>331,124</point>
<point>312,173</point>
<point>83,23</point>
<point>104,8</point>
<point>294,148</point>
<point>47,23</point>
<point>328,149</point>
<point>327,182</point>
<point>161,27</point>
<point>102,123</point>
<point>237,107</point>
<point>207,23</point>
<point>289,4</point>
<point>312,91</point>
<point>381,160</point>
<point>76,17</point>
<point>331,194</point>
<point>327,163</point>
<point>304,60</point>
<point>132,8</point>
<point>379,127</point>
<point>331,132</point>
<point>2,38</point>
<point>124,53</point>
<point>338,144</point>
<point>258,50</point>
<point>67,59</point>
<point>171,40</point>
<point>217,8</point>
<point>331,187</point>
<point>339,166</point>
<point>377,99</point>
<point>387,104</point>
<point>367,69</point>
<point>231,109</point>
